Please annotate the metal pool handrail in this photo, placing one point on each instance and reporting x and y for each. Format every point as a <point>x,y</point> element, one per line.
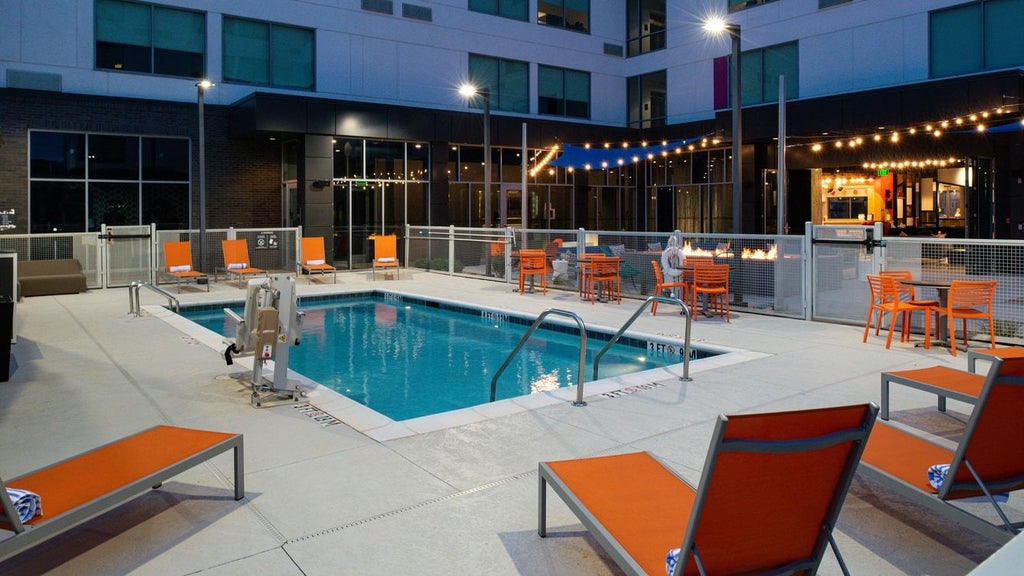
<point>583,352</point>
<point>134,306</point>
<point>628,323</point>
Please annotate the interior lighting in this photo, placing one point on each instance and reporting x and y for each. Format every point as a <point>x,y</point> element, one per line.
<point>877,137</point>
<point>816,148</point>
<point>981,127</point>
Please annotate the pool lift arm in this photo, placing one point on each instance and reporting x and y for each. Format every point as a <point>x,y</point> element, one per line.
<point>269,326</point>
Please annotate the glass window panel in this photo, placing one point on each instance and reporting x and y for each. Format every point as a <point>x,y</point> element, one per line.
<point>550,13</point>
<point>348,158</point>
<point>1004,42</point>
<point>246,51</point>
<point>700,167</point>
<point>418,162</point>
<point>514,86</point>
<point>57,207</point>
<point>123,23</point>
<point>292,57</point>
<point>113,157</point>
<point>165,159</point>
<point>680,169</point>
<point>550,90</point>
<point>178,30</point>
<point>751,80</point>
<point>384,160</point>
<point>113,204</point>
<point>483,73</point>
<point>577,94</point>
<point>781,60</point>
<point>165,205</point>
<point>458,204</point>
<point>511,165</point>
<point>577,15</point>
<point>485,6</point>
<point>514,9</point>
<point>57,155</point>
<point>471,164</point>
<point>955,41</point>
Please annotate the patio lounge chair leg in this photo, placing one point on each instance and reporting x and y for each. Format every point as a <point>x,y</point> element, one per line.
<point>835,550</point>
<point>942,403</point>
<point>542,499</point>
<point>883,411</point>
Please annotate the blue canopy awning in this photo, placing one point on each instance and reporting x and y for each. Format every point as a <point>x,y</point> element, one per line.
<point>574,156</point>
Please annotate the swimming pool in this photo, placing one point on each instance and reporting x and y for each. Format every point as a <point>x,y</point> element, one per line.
<point>407,357</point>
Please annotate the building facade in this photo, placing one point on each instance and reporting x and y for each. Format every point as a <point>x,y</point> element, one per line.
<point>344,116</point>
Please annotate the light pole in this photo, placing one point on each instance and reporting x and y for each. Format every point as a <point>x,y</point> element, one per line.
<point>718,26</point>
<point>469,91</point>
<point>201,87</point>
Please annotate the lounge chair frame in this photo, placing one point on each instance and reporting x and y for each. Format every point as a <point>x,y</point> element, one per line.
<point>721,445</point>
<point>233,251</point>
<point>385,254</point>
<point>941,502</point>
<point>45,527</point>
<point>178,254</point>
<point>314,246</point>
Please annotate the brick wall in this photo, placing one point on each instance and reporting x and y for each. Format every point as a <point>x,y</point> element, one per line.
<point>243,177</point>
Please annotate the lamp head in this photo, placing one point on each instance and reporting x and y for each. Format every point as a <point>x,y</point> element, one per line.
<point>717,25</point>
<point>204,84</point>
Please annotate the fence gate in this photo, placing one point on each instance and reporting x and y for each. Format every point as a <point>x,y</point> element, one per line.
<point>126,254</point>
<point>841,256</point>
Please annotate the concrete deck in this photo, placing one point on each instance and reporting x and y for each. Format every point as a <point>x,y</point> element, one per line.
<point>443,497</point>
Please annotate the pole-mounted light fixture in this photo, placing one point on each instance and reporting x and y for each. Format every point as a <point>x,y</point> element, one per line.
<point>469,91</point>
<point>201,87</point>
<point>720,26</point>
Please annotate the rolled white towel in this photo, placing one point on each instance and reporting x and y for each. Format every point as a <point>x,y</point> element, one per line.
<point>182,268</point>
<point>27,504</point>
<point>238,265</point>
<point>315,262</point>
<point>382,260</point>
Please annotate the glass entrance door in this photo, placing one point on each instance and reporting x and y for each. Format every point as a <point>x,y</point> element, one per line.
<point>356,216</point>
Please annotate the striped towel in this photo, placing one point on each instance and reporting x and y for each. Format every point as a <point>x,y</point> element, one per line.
<point>671,559</point>
<point>27,504</point>
<point>938,472</point>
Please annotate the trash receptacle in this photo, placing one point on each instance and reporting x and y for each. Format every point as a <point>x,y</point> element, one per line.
<point>6,332</point>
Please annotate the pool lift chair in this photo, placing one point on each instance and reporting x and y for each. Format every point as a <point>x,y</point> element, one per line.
<point>269,326</point>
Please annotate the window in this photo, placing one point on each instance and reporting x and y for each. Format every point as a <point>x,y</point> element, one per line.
<point>827,3</point>
<point>735,5</point>
<point>759,74</point>
<point>570,14</point>
<point>515,9</point>
<point>78,182</point>
<point>975,37</point>
<point>152,39</point>
<point>268,54</point>
<point>646,100</point>
<point>645,26</point>
<point>562,92</point>
<point>508,82</point>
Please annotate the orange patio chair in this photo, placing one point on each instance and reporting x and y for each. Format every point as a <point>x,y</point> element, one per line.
<point>604,278</point>
<point>885,299</point>
<point>533,263</point>
<point>661,286</point>
<point>313,258</point>
<point>385,253</point>
<point>236,260</point>
<point>178,263</point>
<point>711,281</point>
<point>968,300</point>
<point>988,460</point>
<point>82,487</point>
<point>771,491</point>
<point>907,293</point>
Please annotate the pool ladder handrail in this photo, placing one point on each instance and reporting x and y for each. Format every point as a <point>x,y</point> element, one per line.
<point>639,311</point>
<point>134,305</point>
<point>581,373</point>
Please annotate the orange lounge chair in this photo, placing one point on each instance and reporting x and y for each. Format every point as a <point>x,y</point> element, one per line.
<point>313,258</point>
<point>178,263</point>
<point>236,260</point>
<point>385,253</point>
<point>769,496</point>
<point>988,460</point>
<point>85,486</point>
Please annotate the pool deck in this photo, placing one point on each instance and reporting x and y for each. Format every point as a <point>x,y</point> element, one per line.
<point>346,492</point>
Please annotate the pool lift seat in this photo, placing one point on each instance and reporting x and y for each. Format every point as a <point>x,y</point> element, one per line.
<point>269,326</point>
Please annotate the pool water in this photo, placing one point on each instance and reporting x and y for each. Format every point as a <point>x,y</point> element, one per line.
<point>407,358</point>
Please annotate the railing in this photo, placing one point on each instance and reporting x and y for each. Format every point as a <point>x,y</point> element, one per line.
<point>135,307</point>
<point>647,303</point>
<point>533,328</point>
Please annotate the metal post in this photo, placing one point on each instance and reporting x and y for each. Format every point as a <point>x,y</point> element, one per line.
<point>486,94</point>
<point>201,87</point>
<point>781,226</point>
<point>524,195</point>
<point>737,130</point>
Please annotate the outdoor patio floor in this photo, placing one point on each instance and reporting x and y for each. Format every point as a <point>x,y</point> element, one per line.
<point>450,498</point>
